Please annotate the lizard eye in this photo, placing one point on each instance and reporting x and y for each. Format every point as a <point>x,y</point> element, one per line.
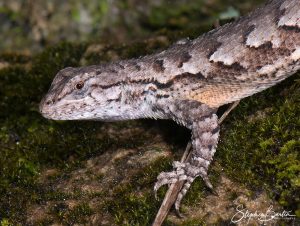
<point>79,85</point>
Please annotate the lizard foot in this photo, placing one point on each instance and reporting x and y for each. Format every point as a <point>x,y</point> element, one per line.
<point>182,172</point>
<point>178,174</point>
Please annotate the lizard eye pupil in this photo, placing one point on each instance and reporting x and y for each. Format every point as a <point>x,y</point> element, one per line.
<point>79,85</point>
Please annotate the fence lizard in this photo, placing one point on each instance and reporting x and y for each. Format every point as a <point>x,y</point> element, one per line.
<point>187,83</point>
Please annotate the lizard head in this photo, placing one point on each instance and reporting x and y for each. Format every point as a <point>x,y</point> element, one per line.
<point>67,95</point>
<point>93,92</point>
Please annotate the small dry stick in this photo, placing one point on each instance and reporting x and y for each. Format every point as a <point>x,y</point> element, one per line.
<point>174,189</point>
<point>226,113</point>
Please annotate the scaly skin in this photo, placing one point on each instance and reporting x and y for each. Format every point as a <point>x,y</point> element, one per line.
<point>187,82</point>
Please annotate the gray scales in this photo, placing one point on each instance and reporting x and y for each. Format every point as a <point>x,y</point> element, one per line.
<point>187,83</point>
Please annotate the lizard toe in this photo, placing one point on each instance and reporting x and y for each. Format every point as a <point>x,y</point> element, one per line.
<point>182,193</point>
<point>209,184</point>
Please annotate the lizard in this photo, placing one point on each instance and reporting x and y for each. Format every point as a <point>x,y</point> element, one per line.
<point>186,83</point>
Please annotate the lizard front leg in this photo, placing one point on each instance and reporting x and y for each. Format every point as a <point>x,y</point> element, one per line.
<point>203,122</point>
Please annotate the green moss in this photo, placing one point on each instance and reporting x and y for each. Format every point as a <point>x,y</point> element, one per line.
<point>69,216</point>
<point>5,222</point>
<point>180,16</point>
<point>133,209</point>
<point>16,58</point>
<point>195,15</point>
<point>133,203</point>
<point>24,134</point>
<point>233,196</point>
<point>126,51</point>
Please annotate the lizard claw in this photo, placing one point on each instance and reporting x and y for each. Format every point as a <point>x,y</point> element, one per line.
<point>209,185</point>
<point>214,193</point>
<point>207,182</point>
<point>156,187</point>
<point>178,213</point>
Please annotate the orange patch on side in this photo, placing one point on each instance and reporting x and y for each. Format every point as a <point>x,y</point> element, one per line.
<point>216,96</point>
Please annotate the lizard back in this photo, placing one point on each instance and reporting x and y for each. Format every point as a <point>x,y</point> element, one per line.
<point>230,62</point>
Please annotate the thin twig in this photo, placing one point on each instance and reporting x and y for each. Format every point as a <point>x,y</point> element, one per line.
<point>226,113</point>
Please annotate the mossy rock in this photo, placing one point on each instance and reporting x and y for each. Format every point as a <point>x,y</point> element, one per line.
<point>80,172</point>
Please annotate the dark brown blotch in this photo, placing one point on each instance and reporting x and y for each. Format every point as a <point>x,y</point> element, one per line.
<point>137,67</point>
<point>278,14</point>
<point>215,130</point>
<point>247,32</point>
<point>121,66</point>
<point>259,67</point>
<point>158,66</point>
<point>152,88</point>
<point>263,76</point>
<point>235,66</point>
<point>186,75</point>
<point>291,28</point>
<point>183,58</point>
<point>213,48</point>
<point>266,46</point>
<point>163,96</point>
